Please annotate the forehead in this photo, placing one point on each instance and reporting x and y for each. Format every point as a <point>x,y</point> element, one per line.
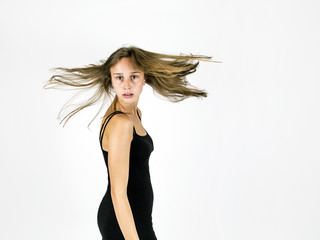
<point>124,65</point>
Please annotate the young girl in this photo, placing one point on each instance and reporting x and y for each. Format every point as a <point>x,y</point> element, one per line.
<point>125,211</point>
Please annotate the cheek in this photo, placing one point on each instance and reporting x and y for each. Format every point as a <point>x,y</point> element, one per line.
<point>115,84</point>
<point>116,88</point>
<point>140,86</point>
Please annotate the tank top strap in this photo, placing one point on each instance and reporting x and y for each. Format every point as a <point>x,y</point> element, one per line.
<point>134,129</point>
<point>138,115</point>
<point>105,124</point>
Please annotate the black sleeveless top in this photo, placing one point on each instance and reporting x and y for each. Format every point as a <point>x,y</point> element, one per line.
<point>139,190</point>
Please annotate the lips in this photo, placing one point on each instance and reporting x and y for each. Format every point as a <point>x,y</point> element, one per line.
<point>127,94</point>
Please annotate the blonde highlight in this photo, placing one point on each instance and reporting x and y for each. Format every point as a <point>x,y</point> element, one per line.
<point>166,77</point>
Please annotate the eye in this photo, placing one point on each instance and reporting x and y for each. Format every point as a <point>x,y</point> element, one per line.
<point>135,76</point>
<point>117,77</point>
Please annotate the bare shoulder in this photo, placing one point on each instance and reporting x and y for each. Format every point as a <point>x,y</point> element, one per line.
<point>120,126</point>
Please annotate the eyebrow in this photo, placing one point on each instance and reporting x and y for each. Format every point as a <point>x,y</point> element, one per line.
<point>121,73</point>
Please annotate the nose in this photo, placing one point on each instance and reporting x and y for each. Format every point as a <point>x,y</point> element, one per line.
<point>126,84</point>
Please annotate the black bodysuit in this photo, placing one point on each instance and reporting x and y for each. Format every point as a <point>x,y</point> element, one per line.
<point>139,190</point>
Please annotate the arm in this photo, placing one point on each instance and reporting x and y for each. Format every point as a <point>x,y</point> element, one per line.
<point>119,136</point>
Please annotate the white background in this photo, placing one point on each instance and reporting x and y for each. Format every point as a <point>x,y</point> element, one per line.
<point>242,163</point>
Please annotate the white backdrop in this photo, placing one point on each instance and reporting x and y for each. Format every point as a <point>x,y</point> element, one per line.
<point>241,164</point>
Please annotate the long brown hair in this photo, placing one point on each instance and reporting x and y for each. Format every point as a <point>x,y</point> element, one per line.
<point>166,77</point>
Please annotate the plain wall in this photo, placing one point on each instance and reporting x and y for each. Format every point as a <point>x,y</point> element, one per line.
<point>241,164</point>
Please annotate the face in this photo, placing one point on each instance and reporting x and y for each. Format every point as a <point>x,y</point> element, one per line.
<point>126,79</point>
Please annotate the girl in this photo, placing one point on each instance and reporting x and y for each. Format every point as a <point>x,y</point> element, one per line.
<point>125,211</point>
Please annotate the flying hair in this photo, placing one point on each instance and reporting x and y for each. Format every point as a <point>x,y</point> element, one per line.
<point>165,73</point>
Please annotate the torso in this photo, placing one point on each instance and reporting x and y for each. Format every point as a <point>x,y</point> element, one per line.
<point>135,120</point>
<point>139,188</point>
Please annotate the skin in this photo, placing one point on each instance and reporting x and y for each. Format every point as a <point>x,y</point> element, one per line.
<point>117,140</point>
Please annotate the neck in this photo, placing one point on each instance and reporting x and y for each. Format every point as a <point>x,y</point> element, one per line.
<point>128,108</point>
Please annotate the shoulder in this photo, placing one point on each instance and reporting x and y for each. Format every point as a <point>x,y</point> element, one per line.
<point>120,125</point>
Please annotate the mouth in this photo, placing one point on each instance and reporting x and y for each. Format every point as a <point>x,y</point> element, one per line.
<point>127,95</point>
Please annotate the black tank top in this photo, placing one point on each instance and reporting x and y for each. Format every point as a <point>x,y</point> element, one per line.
<point>139,190</point>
